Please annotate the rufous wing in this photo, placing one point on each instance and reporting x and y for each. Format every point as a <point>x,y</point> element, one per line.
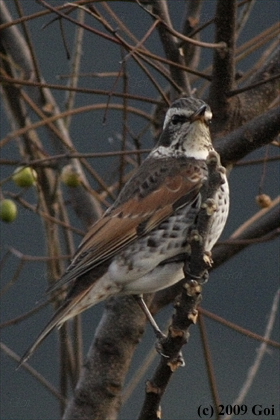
<point>139,209</point>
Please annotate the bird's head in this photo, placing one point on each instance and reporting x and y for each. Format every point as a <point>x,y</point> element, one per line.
<point>186,129</point>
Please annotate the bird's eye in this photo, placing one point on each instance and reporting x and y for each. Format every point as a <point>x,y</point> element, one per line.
<point>176,119</point>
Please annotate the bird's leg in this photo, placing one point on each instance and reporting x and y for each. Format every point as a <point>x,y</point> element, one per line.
<point>159,334</point>
<point>139,299</point>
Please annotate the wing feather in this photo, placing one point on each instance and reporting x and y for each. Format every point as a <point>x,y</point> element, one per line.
<point>139,209</point>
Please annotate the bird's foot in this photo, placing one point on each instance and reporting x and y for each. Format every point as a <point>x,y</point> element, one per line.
<point>174,361</point>
<point>159,346</point>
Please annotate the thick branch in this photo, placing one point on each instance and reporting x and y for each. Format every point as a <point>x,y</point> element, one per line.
<point>98,392</point>
<point>224,61</point>
<point>264,223</point>
<point>243,105</point>
<point>185,316</point>
<point>251,136</point>
<point>16,49</point>
<point>255,101</point>
<point>191,21</point>
<point>170,45</point>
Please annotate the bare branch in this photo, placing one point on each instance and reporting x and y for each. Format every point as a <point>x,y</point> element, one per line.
<point>76,64</point>
<point>244,16</point>
<point>264,222</point>
<point>171,359</point>
<point>238,328</point>
<point>98,392</point>
<point>223,61</point>
<point>41,379</point>
<point>252,135</point>
<point>261,351</point>
<point>16,49</point>
<point>254,85</point>
<point>191,22</point>
<point>170,46</point>
<point>209,362</point>
<point>257,100</point>
<point>44,99</point>
<point>41,84</point>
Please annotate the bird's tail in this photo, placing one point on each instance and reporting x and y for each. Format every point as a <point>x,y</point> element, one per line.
<point>72,306</point>
<point>55,321</point>
<point>60,316</point>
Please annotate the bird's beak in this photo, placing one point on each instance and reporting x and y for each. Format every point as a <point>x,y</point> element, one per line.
<point>201,115</point>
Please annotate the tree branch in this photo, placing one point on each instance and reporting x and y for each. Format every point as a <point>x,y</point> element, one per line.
<point>224,61</point>
<point>262,223</point>
<point>185,316</point>
<point>249,137</point>
<point>191,22</point>
<point>170,45</point>
<point>257,100</point>
<point>98,393</point>
<point>260,353</point>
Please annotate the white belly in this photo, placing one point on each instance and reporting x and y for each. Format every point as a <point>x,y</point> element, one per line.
<point>159,278</point>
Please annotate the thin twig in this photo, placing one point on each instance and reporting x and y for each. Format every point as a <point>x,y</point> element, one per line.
<point>254,161</point>
<point>265,238</point>
<point>244,16</point>
<point>122,164</point>
<point>77,54</point>
<point>253,85</point>
<point>24,316</point>
<point>134,54</point>
<point>257,42</point>
<point>237,328</point>
<point>45,215</point>
<point>75,111</point>
<point>172,52</point>
<point>252,372</point>
<point>47,160</point>
<point>13,279</point>
<point>35,374</point>
<point>219,45</point>
<point>23,82</point>
<point>144,39</point>
<point>38,14</point>
<point>209,362</point>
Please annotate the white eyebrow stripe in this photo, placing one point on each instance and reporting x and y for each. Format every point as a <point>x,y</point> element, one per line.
<point>179,111</point>
<point>171,112</point>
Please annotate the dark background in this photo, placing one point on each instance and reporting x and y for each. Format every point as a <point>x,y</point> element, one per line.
<point>241,290</point>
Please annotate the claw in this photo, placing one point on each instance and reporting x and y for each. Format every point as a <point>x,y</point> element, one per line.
<point>207,258</point>
<point>159,346</point>
<point>177,362</point>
